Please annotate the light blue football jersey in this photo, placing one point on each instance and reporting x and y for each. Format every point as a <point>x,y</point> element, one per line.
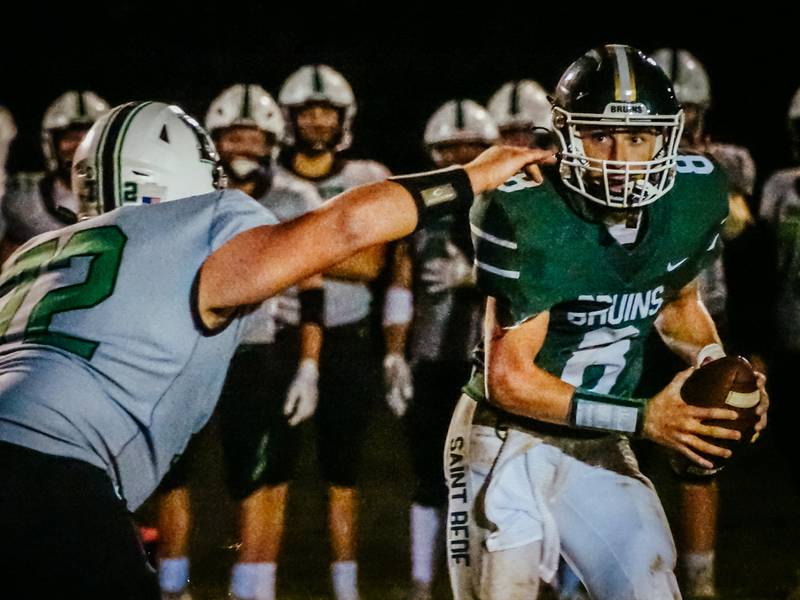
<point>102,355</point>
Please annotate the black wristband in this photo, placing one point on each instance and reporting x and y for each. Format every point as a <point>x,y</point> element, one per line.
<point>605,412</point>
<point>437,193</point>
<point>312,305</point>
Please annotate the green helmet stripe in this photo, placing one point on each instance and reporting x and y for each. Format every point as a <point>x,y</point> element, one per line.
<point>81,105</point>
<point>514,107</point>
<point>245,114</point>
<point>459,114</point>
<point>319,88</point>
<point>109,149</point>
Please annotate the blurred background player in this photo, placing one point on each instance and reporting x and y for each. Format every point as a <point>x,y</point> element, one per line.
<point>780,214</point>
<point>275,367</point>
<point>523,114</point>
<point>319,107</point>
<point>700,499</point>
<point>434,266</point>
<point>39,202</point>
<point>8,131</point>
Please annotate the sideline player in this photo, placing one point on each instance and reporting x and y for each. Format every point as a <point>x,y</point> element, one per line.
<point>435,269</point>
<point>275,364</point>
<point>39,202</point>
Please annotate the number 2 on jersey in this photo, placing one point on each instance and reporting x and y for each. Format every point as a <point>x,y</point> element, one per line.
<point>31,300</point>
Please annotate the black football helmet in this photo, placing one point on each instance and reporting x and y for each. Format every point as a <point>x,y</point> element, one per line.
<point>619,87</point>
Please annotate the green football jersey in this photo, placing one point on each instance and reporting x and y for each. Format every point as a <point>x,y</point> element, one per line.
<point>537,250</point>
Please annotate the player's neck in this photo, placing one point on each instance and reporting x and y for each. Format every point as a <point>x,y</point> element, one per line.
<point>623,225</point>
<point>313,166</point>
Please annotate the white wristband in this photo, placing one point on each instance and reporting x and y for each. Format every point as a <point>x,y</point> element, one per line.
<point>398,306</point>
<point>308,369</point>
<point>709,353</point>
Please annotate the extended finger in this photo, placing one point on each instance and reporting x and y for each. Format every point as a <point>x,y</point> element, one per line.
<point>722,433</point>
<point>704,414</point>
<point>695,458</point>
<point>702,445</point>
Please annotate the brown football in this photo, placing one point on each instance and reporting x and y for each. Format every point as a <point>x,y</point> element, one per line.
<point>729,382</point>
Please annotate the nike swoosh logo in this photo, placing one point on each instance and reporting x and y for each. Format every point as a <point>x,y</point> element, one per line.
<point>673,266</point>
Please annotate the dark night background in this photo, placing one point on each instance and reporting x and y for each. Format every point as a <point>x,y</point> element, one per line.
<point>402,63</point>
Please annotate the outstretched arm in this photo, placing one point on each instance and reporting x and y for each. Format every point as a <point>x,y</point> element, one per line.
<point>260,262</point>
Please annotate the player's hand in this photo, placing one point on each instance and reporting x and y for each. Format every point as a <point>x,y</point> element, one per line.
<point>286,308</point>
<point>497,164</point>
<point>671,422</point>
<point>441,274</point>
<point>303,394</point>
<point>399,384</point>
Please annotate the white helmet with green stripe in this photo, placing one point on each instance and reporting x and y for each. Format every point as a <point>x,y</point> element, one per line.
<point>73,108</point>
<point>246,105</point>
<point>143,153</point>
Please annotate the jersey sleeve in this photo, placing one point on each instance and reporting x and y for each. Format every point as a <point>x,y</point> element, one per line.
<point>507,260</point>
<point>236,212</point>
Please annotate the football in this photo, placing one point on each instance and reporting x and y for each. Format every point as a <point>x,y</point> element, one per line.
<point>729,382</point>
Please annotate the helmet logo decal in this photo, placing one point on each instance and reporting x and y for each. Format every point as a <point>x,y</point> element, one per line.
<point>616,108</point>
<point>624,78</point>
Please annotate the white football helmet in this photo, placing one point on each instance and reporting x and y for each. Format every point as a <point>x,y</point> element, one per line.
<point>689,78</point>
<point>318,83</point>
<point>521,104</point>
<point>70,109</point>
<point>143,153</point>
<point>794,124</point>
<point>456,121</point>
<point>247,105</point>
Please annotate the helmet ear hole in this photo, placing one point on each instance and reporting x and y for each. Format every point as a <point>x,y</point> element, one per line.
<point>164,135</point>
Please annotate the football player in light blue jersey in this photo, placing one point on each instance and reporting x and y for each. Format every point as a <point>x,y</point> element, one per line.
<point>117,331</point>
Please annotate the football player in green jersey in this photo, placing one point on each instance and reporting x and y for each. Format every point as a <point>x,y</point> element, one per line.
<point>578,269</point>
